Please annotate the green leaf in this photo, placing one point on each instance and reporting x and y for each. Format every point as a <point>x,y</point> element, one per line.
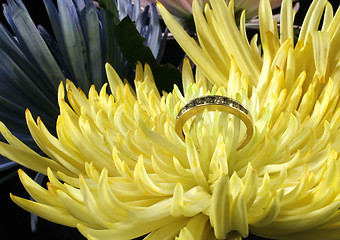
<point>133,49</point>
<point>131,44</point>
<point>110,18</point>
<point>111,8</point>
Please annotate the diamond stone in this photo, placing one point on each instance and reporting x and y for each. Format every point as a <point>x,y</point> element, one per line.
<point>190,104</point>
<point>209,99</point>
<point>199,101</point>
<point>219,100</point>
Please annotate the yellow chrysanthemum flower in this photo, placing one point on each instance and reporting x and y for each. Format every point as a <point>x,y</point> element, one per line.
<point>118,170</point>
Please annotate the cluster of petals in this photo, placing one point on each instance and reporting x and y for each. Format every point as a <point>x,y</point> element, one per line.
<point>34,61</point>
<point>117,168</point>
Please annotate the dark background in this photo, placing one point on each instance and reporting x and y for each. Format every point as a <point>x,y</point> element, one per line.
<point>14,221</point>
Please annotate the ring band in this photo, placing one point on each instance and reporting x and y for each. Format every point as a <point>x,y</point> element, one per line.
<point>213,103</point>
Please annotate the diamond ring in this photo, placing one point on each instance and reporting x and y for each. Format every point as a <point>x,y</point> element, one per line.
<point>215,103</point>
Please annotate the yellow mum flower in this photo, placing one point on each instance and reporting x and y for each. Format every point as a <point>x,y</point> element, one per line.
<point>118,170</point>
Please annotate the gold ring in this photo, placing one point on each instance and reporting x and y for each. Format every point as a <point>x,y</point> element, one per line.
<point>213,103</point>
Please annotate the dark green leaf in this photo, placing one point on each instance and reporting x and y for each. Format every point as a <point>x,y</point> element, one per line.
<point>131,44</point>
<point>111,8</point>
